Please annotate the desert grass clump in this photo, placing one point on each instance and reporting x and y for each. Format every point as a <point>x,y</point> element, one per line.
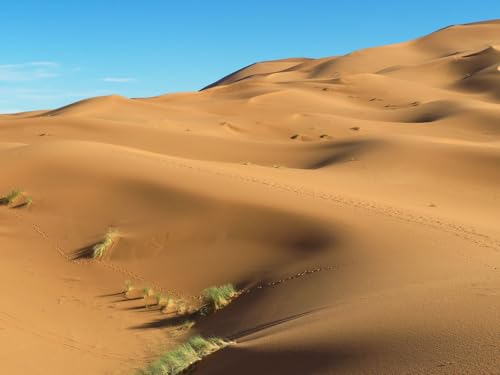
<point>162,300</point>
<point>101,247</point>
<point>179,359</point>
<point>217,297</point>
<point>147,294</point>
<point>187,325</point>
<point>183,307</point>
<point>10,197</point>
<point>28,201</point>
<point>128,287</point>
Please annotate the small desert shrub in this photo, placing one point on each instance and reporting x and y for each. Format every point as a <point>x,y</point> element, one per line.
<point>217,297</point>
<point>182,307</point>
<point>10,197</point>
<point>179,359</point>
<point>100,248</point>
<point>127,288</point>
<point>162,300</point>
<point>147,292</point>
<point>28,201</point>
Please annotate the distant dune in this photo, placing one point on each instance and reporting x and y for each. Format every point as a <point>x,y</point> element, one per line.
<point>354,199</point>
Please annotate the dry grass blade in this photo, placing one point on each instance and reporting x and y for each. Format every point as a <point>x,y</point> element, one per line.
<point>99,249</point>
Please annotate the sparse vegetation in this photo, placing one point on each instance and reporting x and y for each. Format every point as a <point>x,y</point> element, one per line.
<point>127,287</point>
<point>100,248</point>
<point>10,197</point>
<point>147,292</point>
<point>187,325</point>
<point>179,359</point>
<point>212,299</point>
<point>217,297</point>
<point>184,308</point>
<point>162,300</point>
<point>28,201</point>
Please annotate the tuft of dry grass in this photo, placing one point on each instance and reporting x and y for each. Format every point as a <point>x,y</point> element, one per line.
<point>100,248</point>
<point>28,201</point>
<point>217,297</point>
<point>183,356</point>
<point>128,287</point>
<point>10,197</point>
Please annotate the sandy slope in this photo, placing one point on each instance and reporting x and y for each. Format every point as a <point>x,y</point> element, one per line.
<point>378,171</point>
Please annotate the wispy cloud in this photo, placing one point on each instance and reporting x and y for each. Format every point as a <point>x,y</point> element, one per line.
<point>28,71</point>
<point>51,64</point>
<point>44,94</point>
<point>18,99</point>
<point>7,111</point>
<point>118,79</point>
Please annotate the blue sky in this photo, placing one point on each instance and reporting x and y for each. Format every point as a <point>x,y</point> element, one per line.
<point>56,52</point>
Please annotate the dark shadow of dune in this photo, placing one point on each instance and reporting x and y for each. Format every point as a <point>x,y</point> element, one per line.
<point>169,321</point>
<point>428,112</point>
<point>238,336</point>
<point>306,360</point>
<point>341,152</point>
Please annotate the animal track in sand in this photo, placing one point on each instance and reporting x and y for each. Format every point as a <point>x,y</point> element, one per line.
<point>466,234</point>
<point>112,266</point>
<point>16,323</point>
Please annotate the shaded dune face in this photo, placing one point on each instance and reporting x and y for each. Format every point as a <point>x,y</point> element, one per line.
<point>354,199</point>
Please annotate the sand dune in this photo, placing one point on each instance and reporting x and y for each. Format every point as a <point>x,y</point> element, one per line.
<point>356,200</point>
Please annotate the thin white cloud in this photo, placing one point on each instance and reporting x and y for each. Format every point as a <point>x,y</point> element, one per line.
<point>118,79</point>
<point>29,71</point>
<point>44,63</point>
<point>23,94</point>
<point>8,111</point>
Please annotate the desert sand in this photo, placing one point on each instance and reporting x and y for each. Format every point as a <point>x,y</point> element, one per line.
<point>355,198</point>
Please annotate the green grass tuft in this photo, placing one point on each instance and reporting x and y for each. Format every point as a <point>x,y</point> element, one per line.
<point>100,248</point>
<point>10,197</point>
<point>217,297</point>
<point>179,359</point>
